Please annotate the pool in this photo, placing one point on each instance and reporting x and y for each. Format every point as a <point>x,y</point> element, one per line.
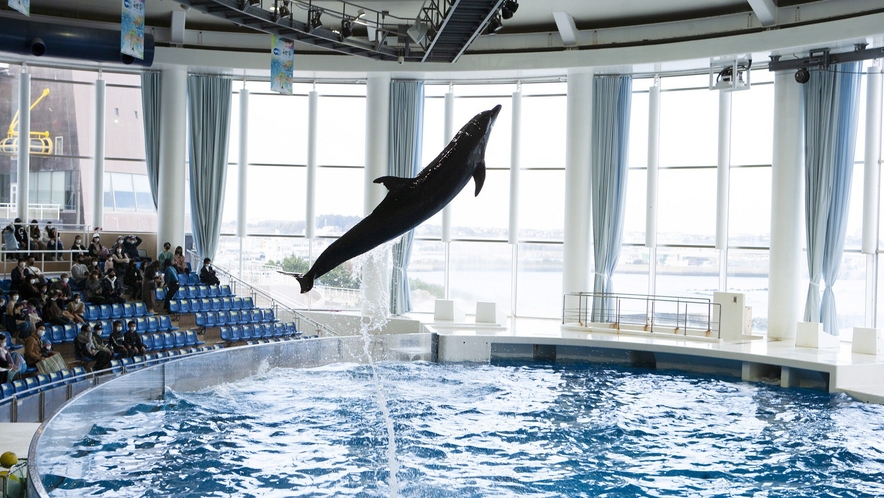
<point>532,429</point>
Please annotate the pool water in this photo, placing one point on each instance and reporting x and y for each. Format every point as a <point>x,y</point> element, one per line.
<point>473,430</point>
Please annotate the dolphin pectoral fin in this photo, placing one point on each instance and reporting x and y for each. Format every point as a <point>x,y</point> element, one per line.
<point>479,176</point>
<point>393,182</point>
<point>306,282</point>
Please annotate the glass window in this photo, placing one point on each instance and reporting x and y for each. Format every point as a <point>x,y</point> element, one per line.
<point>64,116</point>
<point>124,123</point>
<point>481,271</point>
<point>634,223</point>
<point>426,275</point>
<point>434,129</point>
<point>688,272</point>
<point>143,197</point>
<point>748,272</point>
<point>749,211</point>
<point>688,127</point>
<point>542,133</point>
<point>340,131</point>
<point>108,192</point>
<point>233,139</point>
<point>541,206</point>
<point>686,199</point>
<point>340,195</point>
<point>752,125</point>
<point>278,129</point>
<point>484,216</point>
<point>277,202</point>
<point>631,274</point>
<point>638,129</point>
<point>540,269</point>
<point>124,192</point>
<point>854,236</point>
<point>497,153</point>
<point>850,292</point>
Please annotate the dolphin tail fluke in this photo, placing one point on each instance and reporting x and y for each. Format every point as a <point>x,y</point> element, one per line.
<point>306,282</point>
<point>479,176</point>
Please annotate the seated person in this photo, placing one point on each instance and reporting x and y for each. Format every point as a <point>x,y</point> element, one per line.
<point>151,280</point>
<point>76,308</point>
<point>12,364</point>
<point>18,274</point>
<point>85,348</point>
<point>165,255</point>
<point>22,319</point>
<point>35,271</point>
<point>117,342</point>
<point>172,286</point>
<point>92,289</point>
<point>53,313</point>
<point>78,247</point>
<point>55,244</point>
<point>133,339</point>
<point>130,247</point>
<point>207,273</point>
<point>10,241</point>
<point>30,289</point>
<point>63,287</point>
<point>179,261</point>
<point>97,251</point>
<point>79,272</point>
<point>112,288</point>
<point>35,242</point>
<point>36,349</point>
<point>121,261</point>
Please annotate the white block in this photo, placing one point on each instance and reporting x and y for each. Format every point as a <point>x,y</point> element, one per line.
<point>868,341</point>
<point>488,313</point>
<point>811,335</point>
<point>447,311</point>
<point>732,316</point>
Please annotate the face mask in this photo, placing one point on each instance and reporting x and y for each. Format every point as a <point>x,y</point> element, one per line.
<point>77,241</point>
<point>132,329</point>
<point>64,280</point>
<point>14,298</point>
<point>111,278</point>
<point>33,280</point>
<point>77,299</point>
<point>119,250</point>
<point>21,265</point>
<point>118,328</point>
<point>40,332</point>
<point>95,263</point>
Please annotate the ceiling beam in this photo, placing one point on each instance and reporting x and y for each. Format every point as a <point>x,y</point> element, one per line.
<point>567,28</point>
<point>765,10</point>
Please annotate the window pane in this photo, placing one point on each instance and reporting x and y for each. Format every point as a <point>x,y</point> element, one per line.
<point>124,192</point>
<point>687,272</point>
<point>267,186</point>
<point>631,274</point>
<point>543,132</point>
<point>540,280</point>
<point>688,127</point>
<point>426,275</point>
<point>57,194</point>
<point>486,215</point>
<point>143,197</point>
<point>752,126</point>
<point>748,272</point>
<point>854,235</point>
<point>340,131</point>
<point>124,123</point>
<point>541,207</point>
<point>233,140</point>
<point>638,130</point>
<point>749,212</point>
<point>339,199</point>
<point>850,292</point>
<point>497,153</point>
<point>481,271</point>
<point>634,224</point>
<point>65,114</point>
<point>686,200</point>
<point>108,192</point>
<point>272,141</point>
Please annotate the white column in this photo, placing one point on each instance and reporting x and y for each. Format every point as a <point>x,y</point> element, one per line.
<point>242,194</point>
<point>100,129</point>
<point>653,175</point>
<point>871,189</point>
<point>24,145</point>
<point>446,211</point>
<point>375,277</point>
<point>787,209</point>
<point>515,164</point>
<point>724,166</point>
<point>578,238</point>
<point>173,129</point>
<point>312,120</point>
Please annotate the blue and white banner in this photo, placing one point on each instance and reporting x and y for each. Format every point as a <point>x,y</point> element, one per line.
<point>23,6</point>
<point>282,62</point>
<point>132,29</point>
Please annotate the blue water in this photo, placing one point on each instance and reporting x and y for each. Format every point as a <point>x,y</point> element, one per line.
<point>462,431</point>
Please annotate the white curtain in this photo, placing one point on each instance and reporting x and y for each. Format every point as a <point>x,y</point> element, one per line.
<point>612,98</point>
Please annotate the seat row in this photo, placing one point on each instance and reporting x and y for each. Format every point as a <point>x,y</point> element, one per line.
<point>92,312</point>
<point>198,291</point>
<point>191,278</point>
<point>59,334</point>
<point>234,333</point>
<point>171,340</point>
<point>206,319</point>
<point>211,304</point>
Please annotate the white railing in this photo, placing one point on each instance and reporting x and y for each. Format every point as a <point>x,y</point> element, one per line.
<point>35,211</point>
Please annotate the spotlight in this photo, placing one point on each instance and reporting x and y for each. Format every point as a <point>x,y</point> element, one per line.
<point>360,14</point>
<point>495,25</point>
<point>346,29</point>
<point>509,8</point>
<point>314,21</point>
<point>802,75</point>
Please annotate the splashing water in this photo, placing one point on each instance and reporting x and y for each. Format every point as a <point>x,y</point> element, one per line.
<point>375,297</point>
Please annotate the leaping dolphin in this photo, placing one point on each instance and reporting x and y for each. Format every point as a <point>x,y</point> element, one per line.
<point>411,201</point>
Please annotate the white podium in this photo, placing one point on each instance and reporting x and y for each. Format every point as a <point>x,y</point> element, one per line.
<point>447,311</point>
<point>488,313</point>
<point>811,335</point>
<point>868,341</point>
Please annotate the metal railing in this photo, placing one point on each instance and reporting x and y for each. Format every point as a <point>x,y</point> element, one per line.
<point>269,299</point>
<point>662,314</point>
<point>35,211</point>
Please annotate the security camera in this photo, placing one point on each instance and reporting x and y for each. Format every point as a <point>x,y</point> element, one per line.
<point>802,76</point>
<point>38,48</point>
<point>401,59</point>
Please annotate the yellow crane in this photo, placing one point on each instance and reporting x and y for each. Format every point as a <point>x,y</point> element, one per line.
<point>39,140</point>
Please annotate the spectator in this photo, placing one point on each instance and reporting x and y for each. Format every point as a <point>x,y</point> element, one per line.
<point>22,320</point>
<point>21,233</point>
<point>79,272</point>
<point>18,274</point>
<point>151,280</point>
<point>165,255</point>
<point>130,247</point>
<point>30,289</point>
<point>121,260</point>
<point>112,288</point>
<point>63,287</point>
<point>36,350</point>
<point>76,308</point>
<point>118,243</point>
<point>207,273</point>
<point>78,248</point>
<point>48,232</point>
<point>93,288</point>
<point>86,350</point>
<point>34,270</point>
<point>35,236</point>
<point>13,298</point>
<point>117,342</point>
<point>53,313</point>
<point>95,265</point>
<point>10,241</point>
<point>54,244</point>
<point>133,340</point>
<point>11,363</point>
<point>133,279</point>
<point>171,277</point>
<point>179,261</point>
<point>98,251</point>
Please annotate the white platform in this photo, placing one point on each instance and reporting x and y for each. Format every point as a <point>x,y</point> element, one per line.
<point>811,335</point>
<point>868,341</point>
<point>447,311</point>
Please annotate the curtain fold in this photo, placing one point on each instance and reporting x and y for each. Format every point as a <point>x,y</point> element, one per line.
<point>151,94</point>
<point>612,99</point>
<point>208,106</point>
<point>406,133</point>
<point>831,103</point>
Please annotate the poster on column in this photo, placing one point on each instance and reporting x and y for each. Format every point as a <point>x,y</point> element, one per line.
<point>132,29</point>
<point>282,61</point>
<point>23,6</point>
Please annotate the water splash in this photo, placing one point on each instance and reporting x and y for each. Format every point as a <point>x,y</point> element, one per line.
<point>375,296</point>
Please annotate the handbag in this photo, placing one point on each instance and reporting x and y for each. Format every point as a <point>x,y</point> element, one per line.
<point>54,363</point>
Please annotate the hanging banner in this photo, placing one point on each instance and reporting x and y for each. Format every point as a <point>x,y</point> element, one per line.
<point>282,62</point>
<point>23,6</point>
<point>132,29</point>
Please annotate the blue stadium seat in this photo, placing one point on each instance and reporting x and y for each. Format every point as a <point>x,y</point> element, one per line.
<point>79,371</point>
<point>42,380</point>
<point>91,312</point>
<point>263,331</point>
<point>152,323</point>
<point>214,291</point>
<point>180,339</point>
<point>205,304</point>
<point>141,309</point>
<point>200,319</point>
<point>168,340</point>
<point>248,303</point>
<point>235,317</point>
<point>140,325</point>
<point>147,339</point>
<point>279,329</point>
<point>7,390</point>
<point>70,332</point>
<point>216,303</point>
<point>116,366</point>
<point>183,290</point>
<point>221,318</point>
<point>105,311</point>
<point>226,333</point>
<point>127,363</point>
<point>56,334</point>
<point>129,310</point>
<point>55,377</point>
<point>67,375</point>
<point>269,316</point>
<point>292,329</point>
<point>226,303</point>
<point>161,295</point>
<point>117,311</point>
<point>225,290</point>
<point>236,303</point>
<point>193,305</point>
<point>138,362</point>
<point>166,323</point>
<point>191,338</point>
<point>248,331</point>
<point>179,305</point>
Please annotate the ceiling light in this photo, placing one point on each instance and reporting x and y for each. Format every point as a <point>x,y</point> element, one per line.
<point>495,25</point>
<point>509,8</point>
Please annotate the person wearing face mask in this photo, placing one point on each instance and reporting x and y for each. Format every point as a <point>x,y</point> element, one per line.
<point>112,288</point>
<point>179,261</point>
<point>118,243</point>
<point>130,247</point>
<point>35,236</point>
<point>21,233</point>
<point>98,251</point>
<point>11,363</point>
<point>30,289</point>
<point>149,284</point>
<point>56,245</point>
<point>165,255</point>
<point>133,339</point>
<point>35,271</point>
<point>40,354</point>
<point>18,274</point>
<point>53,313</point>
<point>79,272</point>
<point>86,349</point>
<point>207,273</point>
<point>117,342</point>
<point>76,308</point>
<point>171,277</point>
<point>10,241</point>
<point>63,287</point>
<point>22,320</point>
<point>78,248</point>
<point>120,260</point>
<point>93,289</point>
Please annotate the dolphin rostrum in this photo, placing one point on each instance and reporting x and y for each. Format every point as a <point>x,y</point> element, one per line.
<point>411,201</point>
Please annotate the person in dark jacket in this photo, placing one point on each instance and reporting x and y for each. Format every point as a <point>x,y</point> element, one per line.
<point>117,341</point>
<point>207,273</point>
<point>133,340</point>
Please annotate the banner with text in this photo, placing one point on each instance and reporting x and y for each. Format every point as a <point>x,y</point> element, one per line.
<point>282,62</point>
<point>23,6</point>
<point>132,29</point>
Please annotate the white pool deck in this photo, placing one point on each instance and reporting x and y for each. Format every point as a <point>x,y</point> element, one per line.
<point>859,375</point>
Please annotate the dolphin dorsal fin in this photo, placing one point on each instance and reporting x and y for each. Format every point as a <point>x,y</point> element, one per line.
<point>393,182</point>
<point>479,176</point>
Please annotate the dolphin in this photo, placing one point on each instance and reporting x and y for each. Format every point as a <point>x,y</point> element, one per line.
<point>411,201</point>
